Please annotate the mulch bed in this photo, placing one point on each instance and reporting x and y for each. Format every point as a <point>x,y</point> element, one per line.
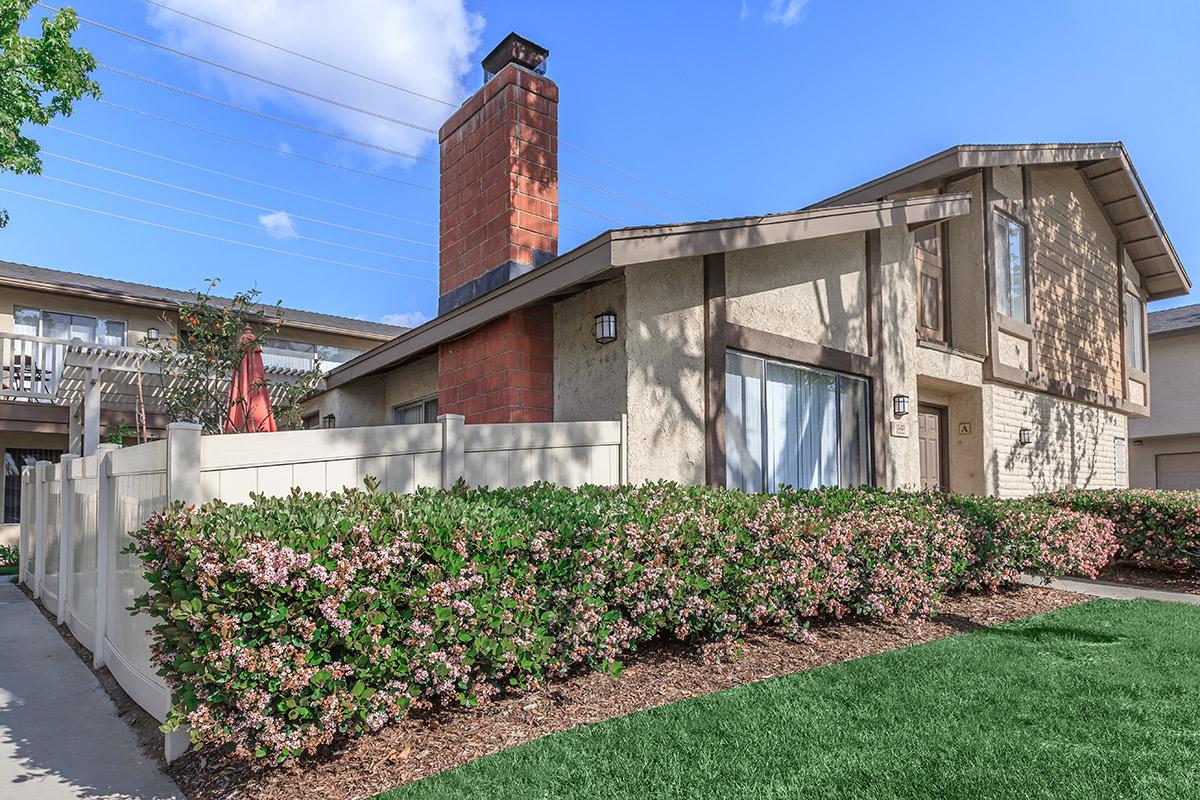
<point>1149,578</point>
<point>663,673</point>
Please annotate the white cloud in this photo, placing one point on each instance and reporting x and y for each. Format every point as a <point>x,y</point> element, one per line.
<point>785,13</point>
<point>423,46</point>
<point>745,12</point>
<point>278,224</point>
<point>405,319</point>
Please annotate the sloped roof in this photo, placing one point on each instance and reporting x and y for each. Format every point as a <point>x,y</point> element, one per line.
<point>1170,320</point>
<point>53,280</point>
<point>1105,165</point>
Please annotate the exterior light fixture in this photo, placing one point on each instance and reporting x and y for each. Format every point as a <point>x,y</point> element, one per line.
<point>606,327</point>
<point>329,421</point>
<point>151,334</point>
<point>900,405</point>
<point>1025,435</point>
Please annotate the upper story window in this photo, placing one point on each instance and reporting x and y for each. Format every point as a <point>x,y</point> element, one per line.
<point>1012,278</point>
<point>416,413</point>
<point>931,285</point>
<point>1135,332</point>
<point>60,325</point>
<point>303,356</point>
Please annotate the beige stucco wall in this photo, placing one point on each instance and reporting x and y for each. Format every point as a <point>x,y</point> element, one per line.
<point>814,290</point>
<point>899,357</point>
<point>355,405</point>
<point>664,343</point>
<point>1074,444</point>
<point>1144,452</point>
<point>968,281</point>
<point>1174,387</point>
<point>409,383</point>
<point>589,377</point>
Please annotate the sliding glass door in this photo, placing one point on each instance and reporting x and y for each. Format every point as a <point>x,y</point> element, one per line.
<point>790,425</point>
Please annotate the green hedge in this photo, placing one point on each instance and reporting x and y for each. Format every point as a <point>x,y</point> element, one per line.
<point>285,623</point>
<point>1155,527</point>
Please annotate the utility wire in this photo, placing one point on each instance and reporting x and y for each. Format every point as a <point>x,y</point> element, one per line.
<point>272,149</point>
<point>406,90</point>
<point>263,115</point>
<point>250,75</point>
<point>264,248</point>
<point>250,181</point>
<point>219,197</point>
<point>304,56</point>
<point>227,220</point>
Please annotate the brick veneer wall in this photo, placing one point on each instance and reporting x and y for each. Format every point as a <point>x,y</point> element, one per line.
<point>499,219</point>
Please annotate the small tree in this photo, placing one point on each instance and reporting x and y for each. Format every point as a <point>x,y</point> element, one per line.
<point>40,78</point>
<point>197,362</point>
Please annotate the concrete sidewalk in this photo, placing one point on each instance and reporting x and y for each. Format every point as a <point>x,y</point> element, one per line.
<point>59,732</point>
<point>1115,591</point>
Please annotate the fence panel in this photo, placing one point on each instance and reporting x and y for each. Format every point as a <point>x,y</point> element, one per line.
<point>565,453</point>
<point>138,479</point>
<point>81,599</point>
<point>52,486</point>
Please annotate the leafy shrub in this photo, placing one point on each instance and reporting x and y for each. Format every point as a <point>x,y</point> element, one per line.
<point>285,623</point>
<point>1155,527</point>
<point>8,556</point>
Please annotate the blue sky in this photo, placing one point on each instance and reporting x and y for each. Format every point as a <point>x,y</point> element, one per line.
<point>739,107</point>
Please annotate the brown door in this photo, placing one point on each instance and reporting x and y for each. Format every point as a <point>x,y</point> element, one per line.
<point>930,434</point>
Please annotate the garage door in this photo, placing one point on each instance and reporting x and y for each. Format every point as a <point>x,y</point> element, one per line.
<point>1179,471</point>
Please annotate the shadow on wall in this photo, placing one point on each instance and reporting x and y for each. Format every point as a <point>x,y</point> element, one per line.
<point>1065,447</point>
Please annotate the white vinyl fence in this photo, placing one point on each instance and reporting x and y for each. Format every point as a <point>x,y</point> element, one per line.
<point>77,515</point>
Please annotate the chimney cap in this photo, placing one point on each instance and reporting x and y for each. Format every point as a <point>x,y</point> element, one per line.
<point>515,49</point>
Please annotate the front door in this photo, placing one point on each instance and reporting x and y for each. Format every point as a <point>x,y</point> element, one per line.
<point>930,433</point>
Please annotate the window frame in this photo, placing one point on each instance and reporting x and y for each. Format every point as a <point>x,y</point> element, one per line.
<point>71,315</point>
<point>425,403</point>
<point>1027,309</point>
<point>868,410</point>
<point>1139,366</point>
<point>939,333</point>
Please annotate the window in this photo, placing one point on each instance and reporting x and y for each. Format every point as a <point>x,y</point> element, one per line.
<point>416,413</point>
<point>59,325</point>
<point>788,425</point>
<point>1135,333</point>
<point>1012,291</point>
<point>303,356</point>
<point>927,253</point>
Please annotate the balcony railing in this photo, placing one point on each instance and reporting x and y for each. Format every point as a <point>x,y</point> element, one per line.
<point>30,367</point>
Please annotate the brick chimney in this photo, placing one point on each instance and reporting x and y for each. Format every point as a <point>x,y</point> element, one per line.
<point>499,220</point>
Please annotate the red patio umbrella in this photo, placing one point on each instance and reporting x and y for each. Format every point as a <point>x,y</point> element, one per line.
<point>249,399</point>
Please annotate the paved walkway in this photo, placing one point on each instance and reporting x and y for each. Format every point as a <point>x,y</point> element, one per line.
<point>1115,591</point>
<point>59,733</point>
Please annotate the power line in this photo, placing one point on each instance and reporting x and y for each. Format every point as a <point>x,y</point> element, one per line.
<point>406,90</point>
<point>250,181</point>
<point>271,149</point>
<point>263,115</point>
<point>250,75</point>
<point>227,220</point>
<point>264,248</point>
<point>304,56</point>
<point>587,210</point>
<point>597,187</point>
<point>219,197</point>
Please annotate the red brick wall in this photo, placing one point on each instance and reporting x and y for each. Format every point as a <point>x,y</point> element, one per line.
<point>499,177</point>
<point>502,372</point>
<point>499,203</point>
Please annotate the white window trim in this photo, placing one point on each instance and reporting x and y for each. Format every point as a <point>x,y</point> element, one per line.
<point>1028,316</point>
<point>42,312</point>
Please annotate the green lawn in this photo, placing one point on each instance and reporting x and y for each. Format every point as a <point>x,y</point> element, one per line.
<point>8,569</point>
<point>1100,700</point>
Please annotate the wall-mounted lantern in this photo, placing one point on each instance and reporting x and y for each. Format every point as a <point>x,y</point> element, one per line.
<point>151,334</point>
<point>606,327</point>
<point>1025,435</point>
<point>329,421</point>
<point>900,405</point>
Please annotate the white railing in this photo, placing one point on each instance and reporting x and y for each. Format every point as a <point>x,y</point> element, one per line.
<point>30,366</point>
<point>77,515</point>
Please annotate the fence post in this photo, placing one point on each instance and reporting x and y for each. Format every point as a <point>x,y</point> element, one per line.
<point>183,485</point>
<point>183,463</point>
<point>39,532</point>
<point>623,458</point>
<point>27,524</point>
<point>454,460</point>
<point>66,547</point>
<point>104,508</point>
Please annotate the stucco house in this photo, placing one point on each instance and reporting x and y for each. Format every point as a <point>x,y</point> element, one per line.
<point>963,322</point>
<point>49,318</point>
<point>1165,451</point>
